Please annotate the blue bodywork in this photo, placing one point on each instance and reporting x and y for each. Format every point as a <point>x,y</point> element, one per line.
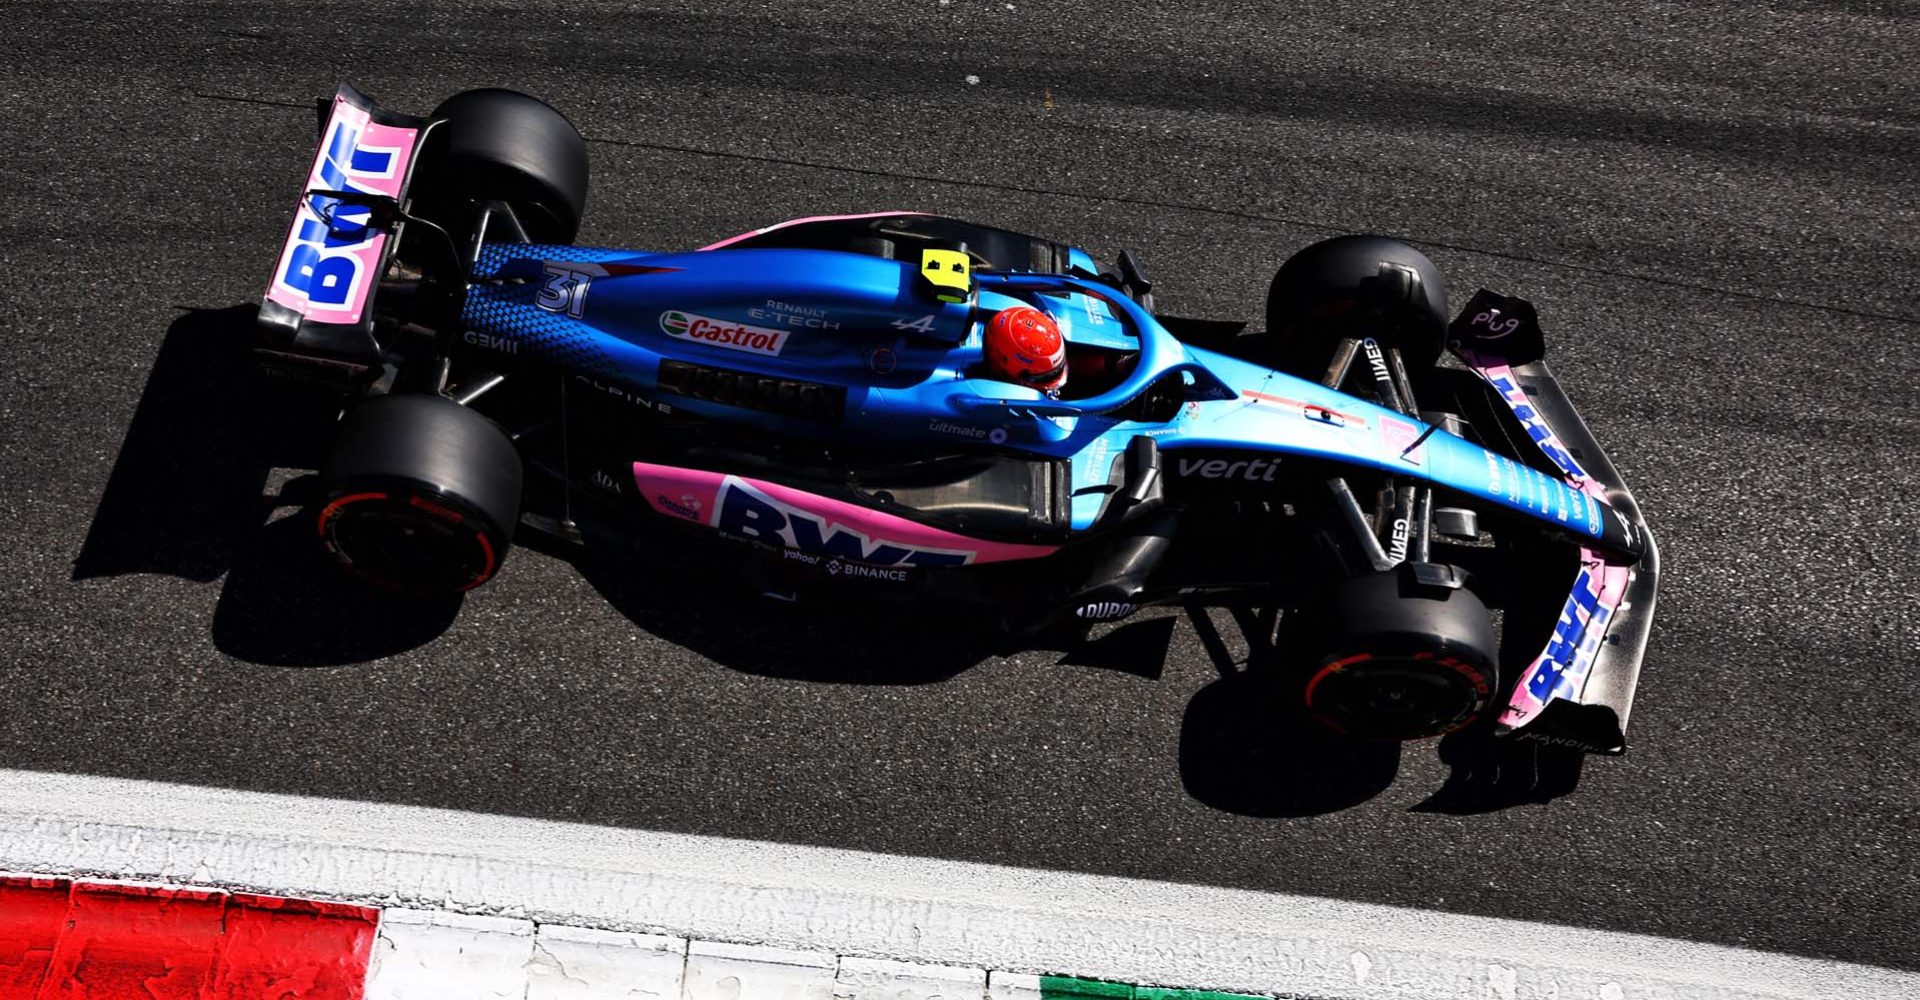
<point>908,364</point>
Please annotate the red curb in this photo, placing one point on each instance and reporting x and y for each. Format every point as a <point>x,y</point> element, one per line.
<point>135,941</point>
<point>32,914</point>
<point>62,940</point>
<point>282,949</point>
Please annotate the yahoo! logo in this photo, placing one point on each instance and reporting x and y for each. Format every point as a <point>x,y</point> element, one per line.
<point>325,261</point>
<point>748,512</point>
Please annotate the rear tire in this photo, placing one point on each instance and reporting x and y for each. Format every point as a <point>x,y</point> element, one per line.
<point>501,145</point>
<point>421,494</point>
<point>1400,659</point>
<point>1355,286</point>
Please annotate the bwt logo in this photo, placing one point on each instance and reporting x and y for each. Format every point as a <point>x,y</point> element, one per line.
<point>1576,641</point>
<point>322,263</point>
<point>1537,428</point>
<point>750,513</point>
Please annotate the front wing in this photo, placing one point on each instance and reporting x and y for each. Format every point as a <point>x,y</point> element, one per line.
<point>1578,691</point>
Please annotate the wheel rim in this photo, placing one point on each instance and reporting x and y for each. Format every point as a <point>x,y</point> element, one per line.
<point>1397,697</point>
<point>407,543</point>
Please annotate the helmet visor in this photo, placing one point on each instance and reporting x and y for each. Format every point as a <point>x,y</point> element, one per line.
<point>1045,379</point>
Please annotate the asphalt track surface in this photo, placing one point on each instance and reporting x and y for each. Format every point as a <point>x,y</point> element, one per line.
<point>1713,204</point>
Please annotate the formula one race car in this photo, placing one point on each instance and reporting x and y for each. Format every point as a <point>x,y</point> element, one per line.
<point>822,392</point>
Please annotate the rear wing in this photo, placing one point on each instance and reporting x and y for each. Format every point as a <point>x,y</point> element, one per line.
<point>1579,690</point>
<point>318,307</point>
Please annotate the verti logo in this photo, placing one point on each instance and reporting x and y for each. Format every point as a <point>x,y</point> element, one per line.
<point>723,333</point>
<point>1258,470</point>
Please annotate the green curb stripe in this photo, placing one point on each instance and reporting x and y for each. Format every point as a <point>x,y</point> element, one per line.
<point>1155,993</point>
<point>1068,988</point>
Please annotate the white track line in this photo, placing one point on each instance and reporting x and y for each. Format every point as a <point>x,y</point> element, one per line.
<point>845,903</point>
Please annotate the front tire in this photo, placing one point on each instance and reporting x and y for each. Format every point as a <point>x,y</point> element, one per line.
<point>1402,657</point>
<point>1355,286</point>
<point>421,494</point>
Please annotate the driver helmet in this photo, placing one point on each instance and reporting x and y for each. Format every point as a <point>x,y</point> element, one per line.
<point>1024,346</point>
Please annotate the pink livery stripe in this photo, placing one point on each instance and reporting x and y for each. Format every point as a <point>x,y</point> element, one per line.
<point>796,519</point>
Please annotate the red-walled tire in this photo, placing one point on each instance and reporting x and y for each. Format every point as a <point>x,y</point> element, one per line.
<point>421,494</point>
<point>1401,660</point>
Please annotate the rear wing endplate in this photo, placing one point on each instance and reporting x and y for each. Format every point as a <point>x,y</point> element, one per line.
<point>318,303</point>
<point>1579,690</point>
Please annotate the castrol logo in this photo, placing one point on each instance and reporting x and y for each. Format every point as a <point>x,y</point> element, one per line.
<point>722,333</point>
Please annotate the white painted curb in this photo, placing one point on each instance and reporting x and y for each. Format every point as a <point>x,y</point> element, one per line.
<point>582,963</point>
<point>875,979</point>
<point>843,903</point>
<point>431,955</point>
<point>1013,986</point>
<point>720,971</point>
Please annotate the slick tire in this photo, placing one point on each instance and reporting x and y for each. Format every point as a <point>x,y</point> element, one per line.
<point>1401,659</point>
<point>501,145</point>
<point>1354,286</point>
<point>420,494</point>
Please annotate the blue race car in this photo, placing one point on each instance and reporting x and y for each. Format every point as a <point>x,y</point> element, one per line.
<point>826,394</point>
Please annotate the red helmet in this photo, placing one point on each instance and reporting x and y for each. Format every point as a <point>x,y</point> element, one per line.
<point>1024,346</point>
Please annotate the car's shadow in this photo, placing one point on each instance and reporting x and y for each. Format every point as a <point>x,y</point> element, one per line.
<point>702,598</point>
<point>1247,745</point>
<point>196,491</point>
<point>691,593</point>
<point>209,481</point>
